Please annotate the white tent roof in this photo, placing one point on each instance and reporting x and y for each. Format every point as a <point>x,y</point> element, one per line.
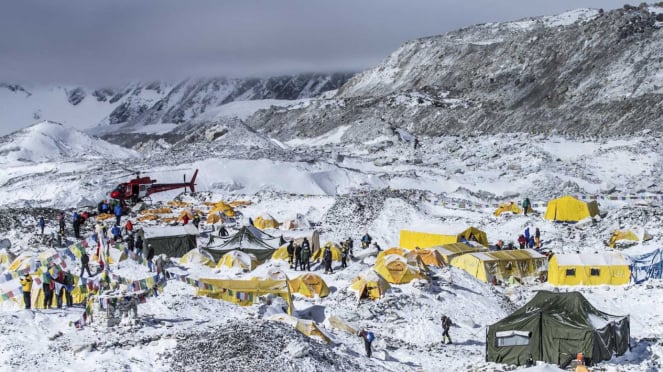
<point>589,259</point>
<point>166,231</point>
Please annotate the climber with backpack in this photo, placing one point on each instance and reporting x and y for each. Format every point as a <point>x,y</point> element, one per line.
<point>368,339</point>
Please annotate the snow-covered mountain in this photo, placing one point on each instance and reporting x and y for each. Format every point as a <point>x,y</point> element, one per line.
<point>49,141</point>
<point>141,104</point>
<point>584,71</point>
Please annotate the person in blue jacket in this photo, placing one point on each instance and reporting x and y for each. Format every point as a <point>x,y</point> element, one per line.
<point>118,214</point>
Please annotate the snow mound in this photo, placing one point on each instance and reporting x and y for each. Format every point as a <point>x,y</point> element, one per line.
<point>50,141</point>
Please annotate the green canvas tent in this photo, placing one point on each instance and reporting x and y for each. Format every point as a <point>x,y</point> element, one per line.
<point>248,239</point>
<point>554,328</point>
<point>173,241</point>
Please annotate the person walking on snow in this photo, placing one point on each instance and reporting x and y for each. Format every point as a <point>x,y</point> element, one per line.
<point>368,338</point>
<point>526,206</point>
<point>327,258</point>
<point>537,238</point>
<point>118,214</point>
<point>85,264</point>
<point>139,246</point>
<point>150,256</point>
<point>344,254</point>
<point>41,224</point>
<point>446,324</point>
<point>26,285</point>
<point>366,241</point>
<point>76,222</point>
<point>61,223</point>
<point>298,256</point>
<point>291,251</point>
<point>117,233</point>
<point>306,255</point>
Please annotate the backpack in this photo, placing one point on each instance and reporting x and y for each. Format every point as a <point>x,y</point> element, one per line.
<point>370,336</point>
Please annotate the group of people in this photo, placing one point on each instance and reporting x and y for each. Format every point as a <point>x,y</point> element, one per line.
<point>299,255</point>
<point>55,283</point>
<point>526,240</point>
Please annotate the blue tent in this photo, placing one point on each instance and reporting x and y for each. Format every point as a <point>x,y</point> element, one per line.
<point>648,266</point>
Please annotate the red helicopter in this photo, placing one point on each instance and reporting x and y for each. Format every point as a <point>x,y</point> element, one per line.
<point>142,187</point>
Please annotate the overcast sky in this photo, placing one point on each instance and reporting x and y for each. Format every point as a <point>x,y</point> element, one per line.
<point>108,42</point>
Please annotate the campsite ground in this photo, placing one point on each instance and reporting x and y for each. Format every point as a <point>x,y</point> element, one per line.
<point>449,182</point>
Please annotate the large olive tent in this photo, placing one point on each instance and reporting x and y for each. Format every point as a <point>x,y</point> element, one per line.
<point>588,269</point>
<point>413,239</point>
<point>248,239</point>
<point>554,327</point>
<point>569,209</point>
<point>501,264</point>
<point>173,241</point>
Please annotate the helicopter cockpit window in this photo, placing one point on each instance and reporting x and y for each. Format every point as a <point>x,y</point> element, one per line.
<point>120,187</point>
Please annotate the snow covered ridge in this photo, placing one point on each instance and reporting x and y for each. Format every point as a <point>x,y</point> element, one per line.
<point>581,72</point>
<point>49,141</point>
<point>149,103</point>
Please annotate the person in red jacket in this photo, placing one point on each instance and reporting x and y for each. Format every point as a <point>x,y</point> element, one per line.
<point>185,219</point>
<point>522,241</point>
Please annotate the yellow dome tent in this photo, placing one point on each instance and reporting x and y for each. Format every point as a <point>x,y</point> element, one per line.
<point>396,270</point>
<point>392,250</point>
<point>369,284</point>
<point>238,259</point>
<point>428,256</point>
<point>222,207</point>
<point>335,251</point>
<point>309,285</point>
<point>634,234</point>
<point>569,209</point>
<point>413,239</point>
<point>199,257</point>
<point>510,207</point>
<point>266,221</point>
<point>588,269</point>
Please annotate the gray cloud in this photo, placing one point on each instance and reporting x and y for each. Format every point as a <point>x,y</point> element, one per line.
<point>110,42</point>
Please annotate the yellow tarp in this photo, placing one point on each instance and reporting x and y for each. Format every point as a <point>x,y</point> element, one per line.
<point>148,217</point>
<point>178,204</point>
<point>510,207</point>
<point>370,285</point>
<point>569,209</point>
<point>240,203</point>
<point>413,239</point>
<point>588,269</point>
<point>501,264</point>
<point>306,327</point>
<point>246,292</point>
<point>281,253</point>
<point>104,216</point>
<point>335,251</point>
<point>396,270</point>
<point>309,285</point>
<point>238,259</point>
<point>163,210</point>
